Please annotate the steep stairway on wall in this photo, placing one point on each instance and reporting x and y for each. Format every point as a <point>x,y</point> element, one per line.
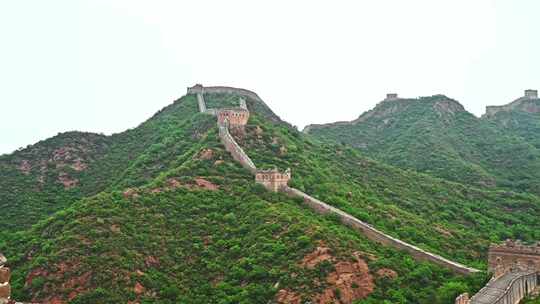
<point>369,231</point>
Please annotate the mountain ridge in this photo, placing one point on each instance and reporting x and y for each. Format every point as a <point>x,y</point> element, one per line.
<point>220,239</point>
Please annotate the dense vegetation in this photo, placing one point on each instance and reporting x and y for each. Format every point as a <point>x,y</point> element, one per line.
<point>140,216</point>
<point>435,135</point>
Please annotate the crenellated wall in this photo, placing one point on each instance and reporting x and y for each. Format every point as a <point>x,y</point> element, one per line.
<point>200,89</point>
<point>511,288</point>
<point>513,255</point>
<point>235,116</point>
<point>236,151</point>
<point>275,181</point>
<point>375,235</point>
<point>515,268</point>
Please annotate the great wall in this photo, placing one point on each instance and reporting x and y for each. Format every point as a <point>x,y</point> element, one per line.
<point>276,181</point>
<point>515,267</point>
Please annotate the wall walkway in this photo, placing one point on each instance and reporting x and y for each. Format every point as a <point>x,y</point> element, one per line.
<point>375,235</point>
<point>370,232</point>
<point>236,151</point>
<point>510,288</point>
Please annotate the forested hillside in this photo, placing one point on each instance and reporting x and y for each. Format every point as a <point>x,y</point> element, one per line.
<point>437,136</point>
<point>162,214</point>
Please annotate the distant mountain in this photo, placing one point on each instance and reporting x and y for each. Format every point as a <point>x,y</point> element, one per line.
<point>521,117</point>
<point>163,214</point>
<point>437,136</point>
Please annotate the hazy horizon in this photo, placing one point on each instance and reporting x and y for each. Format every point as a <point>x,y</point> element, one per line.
<point>106,66</point>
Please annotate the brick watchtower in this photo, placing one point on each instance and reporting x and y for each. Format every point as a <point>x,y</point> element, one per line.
<point>391,96</point>
<point>237,117</point>
<point>513,255</point>
<point>531,94</point>
<point>273,180</point>
<point>5,288</point>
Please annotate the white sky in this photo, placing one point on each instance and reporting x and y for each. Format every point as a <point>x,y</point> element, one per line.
<point>105,66</point>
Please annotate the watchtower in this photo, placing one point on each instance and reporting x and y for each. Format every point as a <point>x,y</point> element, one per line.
<point>272,179</point>
<point>5,288</point>
<point>391,96</point>
<point>196,89</point>
<point>237,117</point>
<point>513,255</point>
<point>531,94</point>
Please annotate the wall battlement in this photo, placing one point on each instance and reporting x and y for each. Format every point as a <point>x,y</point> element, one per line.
<point>391,96</point>
<point>513,255</point>
<point>277,181</point>
<point>525,103</point>
<point>532,94</point>
<point>200,89</point>
<point>273,180</point>
<point>235,116</point>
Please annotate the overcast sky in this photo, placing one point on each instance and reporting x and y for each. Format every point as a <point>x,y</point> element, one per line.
<point>105,66</point>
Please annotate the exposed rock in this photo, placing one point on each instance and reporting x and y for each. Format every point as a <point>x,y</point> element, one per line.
<point>285,296</point>
<point>447,106</point>
<point>202,183</point>
<point>173,183</point>
<point>139,288</point>
<point>319,255</point>
<point>78,165</point>
<point>151,261</point>
<point>353,281</point>
<point>38,272</point>
<point>206,154</point>
<point>387,273</point>
<point>67,180</point>
<point>130,192</point>
<point>25,167</point>
<point>218,162</point>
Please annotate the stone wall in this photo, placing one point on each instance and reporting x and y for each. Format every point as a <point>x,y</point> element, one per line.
<point>236,116</point>
<point>511,256</point>
<point>375,235</point>
<point>509,289</point>
<point>232,147</point>
<point>273,180</point>
<point>391,96</point>
<point>528,103</point>
<point>532,94</point>
<point>276,181</point>
<point>200,89</point>
<point>5,287</point>
<point>462,299</point>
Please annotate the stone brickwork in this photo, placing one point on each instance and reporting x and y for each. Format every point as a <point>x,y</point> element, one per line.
<point>513,255</point>
<point>527,103</point>
<point>510,288</point>
<point>391,96</point>
<point>235,116</point>
<point>462,299</point>
<point>532,94</point>
<point>5,287</point>
<point>377,236</point>
<point>232,147</point>
<point>199,89</point>
<point>515,268</point>
<point>273,180</point>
